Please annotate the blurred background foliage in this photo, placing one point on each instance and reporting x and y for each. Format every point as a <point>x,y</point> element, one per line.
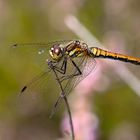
<point>118,109</point>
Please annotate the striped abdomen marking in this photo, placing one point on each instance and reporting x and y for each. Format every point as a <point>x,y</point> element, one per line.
<point>97,52</point>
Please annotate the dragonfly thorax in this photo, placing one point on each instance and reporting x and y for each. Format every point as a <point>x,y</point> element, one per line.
<point>56,52</point>
<point>76,49</point>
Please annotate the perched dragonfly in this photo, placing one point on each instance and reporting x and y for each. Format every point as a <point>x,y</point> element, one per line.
<point>71,61</point>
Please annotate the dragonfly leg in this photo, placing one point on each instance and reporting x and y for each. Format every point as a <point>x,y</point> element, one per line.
<point>78,72</point>
<point>61,69</point>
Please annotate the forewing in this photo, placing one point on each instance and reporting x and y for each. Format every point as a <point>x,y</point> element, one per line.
<point>38,53</point>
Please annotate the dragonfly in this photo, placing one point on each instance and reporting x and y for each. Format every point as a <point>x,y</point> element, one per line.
<point>70,61</point>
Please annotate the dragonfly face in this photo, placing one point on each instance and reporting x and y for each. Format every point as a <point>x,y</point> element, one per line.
<point>56,52</point>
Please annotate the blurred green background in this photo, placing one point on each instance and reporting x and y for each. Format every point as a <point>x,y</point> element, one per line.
<point>118,109</point>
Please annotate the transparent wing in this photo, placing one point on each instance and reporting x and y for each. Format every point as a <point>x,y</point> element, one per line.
<point>41,91</point>
<point>35,82</point>
<point>35,85</point>
<point>43,83</point>
<point>86,65</point>
<point>37,52</point>
<point>40,53</point>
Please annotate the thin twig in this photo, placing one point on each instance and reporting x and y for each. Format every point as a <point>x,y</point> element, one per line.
<point>66,101</point>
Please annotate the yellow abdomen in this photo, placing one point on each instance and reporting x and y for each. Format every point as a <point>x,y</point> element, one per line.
<point>97,52</point>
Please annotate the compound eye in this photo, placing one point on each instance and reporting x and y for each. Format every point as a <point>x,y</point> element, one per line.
<point>56,52</point>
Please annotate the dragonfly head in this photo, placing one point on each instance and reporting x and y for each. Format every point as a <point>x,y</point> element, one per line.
<point>56,52</point>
